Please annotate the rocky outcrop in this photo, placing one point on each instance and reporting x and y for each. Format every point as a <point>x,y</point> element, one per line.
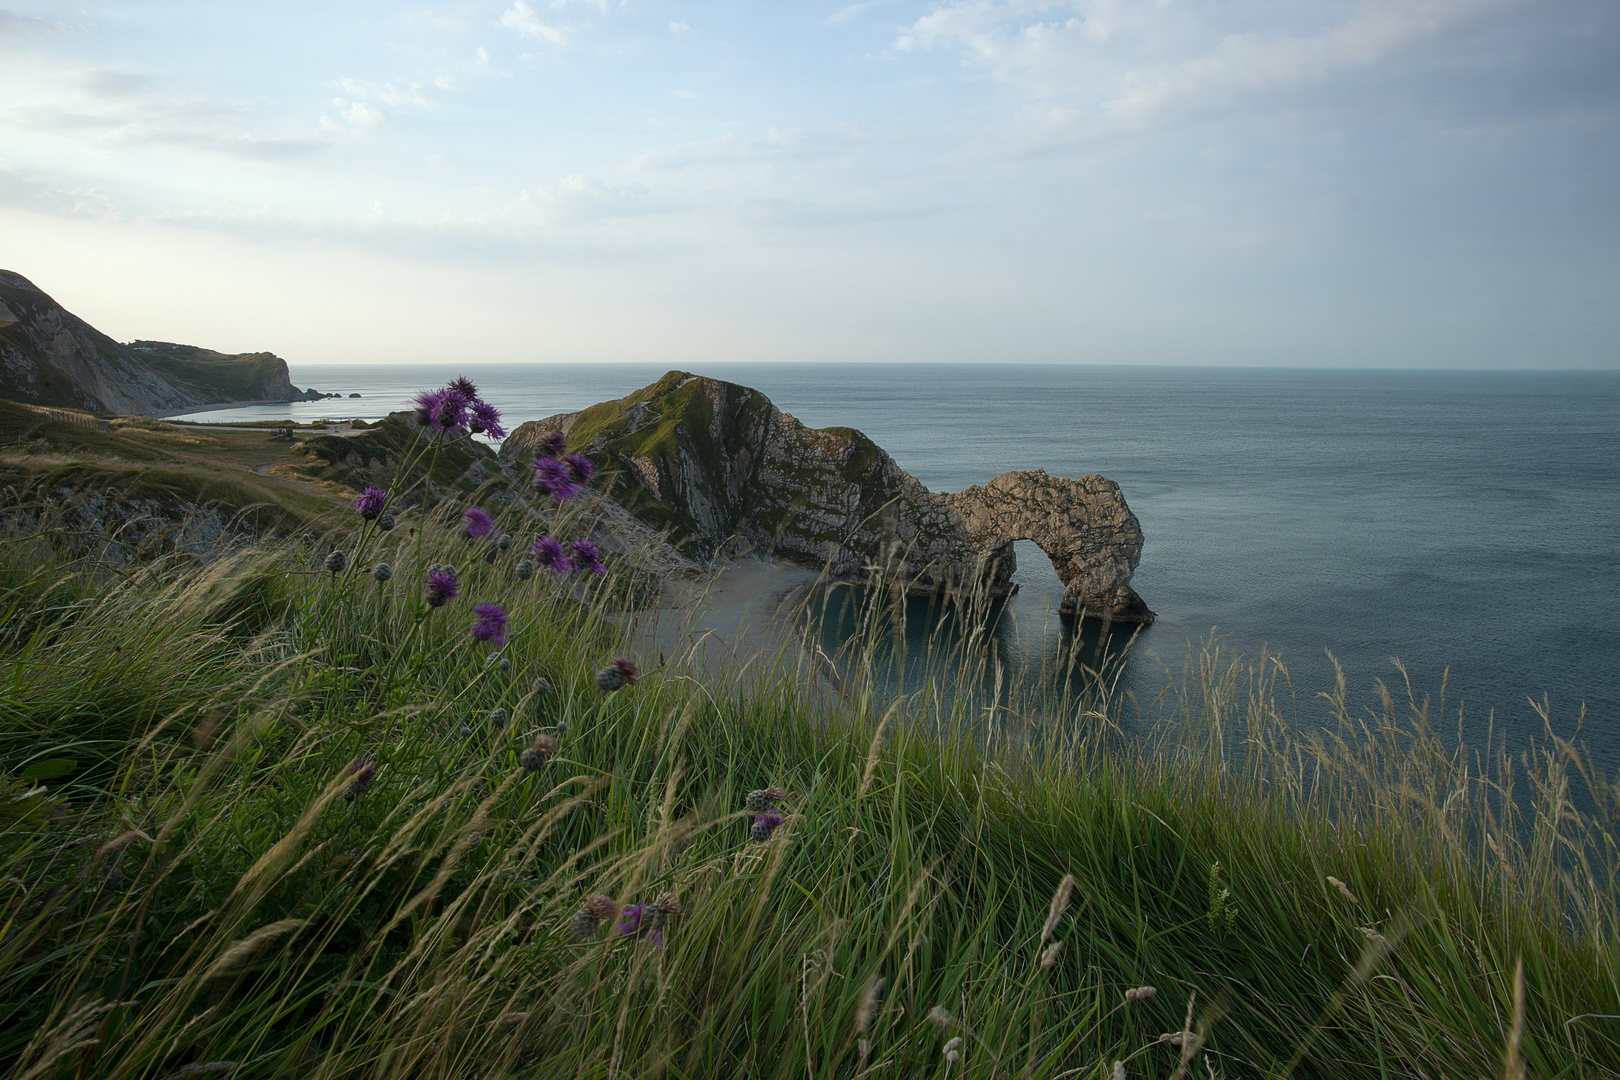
<point>48,356</point>
<point>712,462</point>
<point>1083,526</point>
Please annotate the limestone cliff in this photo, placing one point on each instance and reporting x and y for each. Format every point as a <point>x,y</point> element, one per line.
<point>711,461</point>
<point>48,356</point>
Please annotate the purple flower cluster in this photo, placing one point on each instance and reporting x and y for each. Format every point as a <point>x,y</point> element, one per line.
<point>458,407</point>
<point>641,920</point>
<point>765,824</point>
<point>582,555</point>
<point>442,586</point>
<point>563,475</point>
<point>490,624</point>
<point>361,772</point>
<point>479,524</point>
<point>371,502</point>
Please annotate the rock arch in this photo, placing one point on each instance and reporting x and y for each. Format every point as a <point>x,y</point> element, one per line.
<point>1083,526</point>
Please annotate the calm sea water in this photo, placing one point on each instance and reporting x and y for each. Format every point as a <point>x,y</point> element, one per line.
<point>1466,521</point>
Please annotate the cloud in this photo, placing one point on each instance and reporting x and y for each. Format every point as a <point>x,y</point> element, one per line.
<point>1132,62</point>
<point>14,26</point>
<point>680,29</point>
<point>1252,62</point>
<point>579,198</point>
<point>30,190</point>
<point>527,22</point>
<point>389,94</point>
<point>355,117</point>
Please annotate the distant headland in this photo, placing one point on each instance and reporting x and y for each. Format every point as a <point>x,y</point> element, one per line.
<point>51,357</point>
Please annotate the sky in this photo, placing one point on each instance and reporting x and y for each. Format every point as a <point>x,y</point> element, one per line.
<point>1382,183</point>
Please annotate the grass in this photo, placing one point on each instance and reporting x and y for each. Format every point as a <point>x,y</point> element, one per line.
<point>195,882</point>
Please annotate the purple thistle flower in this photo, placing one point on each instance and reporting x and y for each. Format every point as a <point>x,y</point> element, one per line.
<point>486,420</point>
<point>442,585</point>
<point>586,556</point>
<point>556,477</point>
<point>427,406</point>
<point>582,467</point>
<point>641,920</point>
<point>548,552</point>
<point>490,625</point>
<point>479,524</point>
<point>617,675</point>
<point>463,386</point>
<point>371,502</point>
<point>765,824</point>
<point>361,772</point>
<point>551,444</point>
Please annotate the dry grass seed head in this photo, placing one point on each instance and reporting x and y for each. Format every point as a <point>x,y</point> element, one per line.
<point>1060,904</point>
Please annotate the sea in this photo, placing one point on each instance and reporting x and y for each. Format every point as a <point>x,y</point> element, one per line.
<point>1464,525</point>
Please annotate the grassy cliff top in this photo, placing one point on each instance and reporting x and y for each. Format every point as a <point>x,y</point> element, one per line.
<point>215,375</point>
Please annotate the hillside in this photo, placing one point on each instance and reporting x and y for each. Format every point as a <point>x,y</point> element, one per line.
<point>51,357</point>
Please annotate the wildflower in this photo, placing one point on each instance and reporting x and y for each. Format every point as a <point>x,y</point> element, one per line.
<point>371,502</point>
<point>539,688</point>
<point>442,585</point>
<point>382,571</point>
<point>642,920</point>
<point>463,386</point>
<point>485,419</point>
<point>335,562</point>
<point>586,556</point>
<point>548,552</point>
<point>615,676</point>
<point>479,524</point>
<point>505,542</point>
<point>551,444</point>
<point>442,410</point>
<point>361,773</point>
<point>386,523</point>
<point>582,467</point>
<point>554,476</point>
<point>524,570</point>
<point>765,825</point>
<point>597,910</point>
<point>490,624</point>
<point>534,757</point>
<point>499,717</point>
<point>759,802</point>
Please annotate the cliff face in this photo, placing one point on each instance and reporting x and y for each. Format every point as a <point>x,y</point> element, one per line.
<point>48,356</point>
<point>710,461</point>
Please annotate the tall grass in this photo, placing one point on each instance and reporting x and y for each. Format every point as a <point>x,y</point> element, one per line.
<point>216,887</point>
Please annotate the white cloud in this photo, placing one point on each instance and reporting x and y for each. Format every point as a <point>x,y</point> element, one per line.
<point>389,94</point>
<point>581,198</point>
<point>1250,61</point>
<point>31,190</point>
<point>527,22</point>
<point>680,29</point>
<point>1132,61</point>
<point>356,117</point>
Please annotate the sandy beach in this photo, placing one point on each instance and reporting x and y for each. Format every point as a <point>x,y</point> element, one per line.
<point>735,623</point>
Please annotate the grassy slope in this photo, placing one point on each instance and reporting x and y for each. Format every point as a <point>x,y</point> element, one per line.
<point>213,375</point>
<point>214,883</point>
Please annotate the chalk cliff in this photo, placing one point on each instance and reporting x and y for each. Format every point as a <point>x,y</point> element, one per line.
<point>49,356</point>
<point>711,461</point>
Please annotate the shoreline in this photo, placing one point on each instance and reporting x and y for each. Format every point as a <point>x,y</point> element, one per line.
<point>223,406</point>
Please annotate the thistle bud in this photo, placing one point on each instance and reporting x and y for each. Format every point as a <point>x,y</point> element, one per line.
<point>336,561</point>
<point>382,571</point>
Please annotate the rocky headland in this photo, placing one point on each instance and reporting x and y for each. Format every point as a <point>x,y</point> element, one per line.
<point>713,463</point>
<point>51,357</point>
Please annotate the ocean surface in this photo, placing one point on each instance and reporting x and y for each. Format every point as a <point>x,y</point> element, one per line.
<point>1463,522</point>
